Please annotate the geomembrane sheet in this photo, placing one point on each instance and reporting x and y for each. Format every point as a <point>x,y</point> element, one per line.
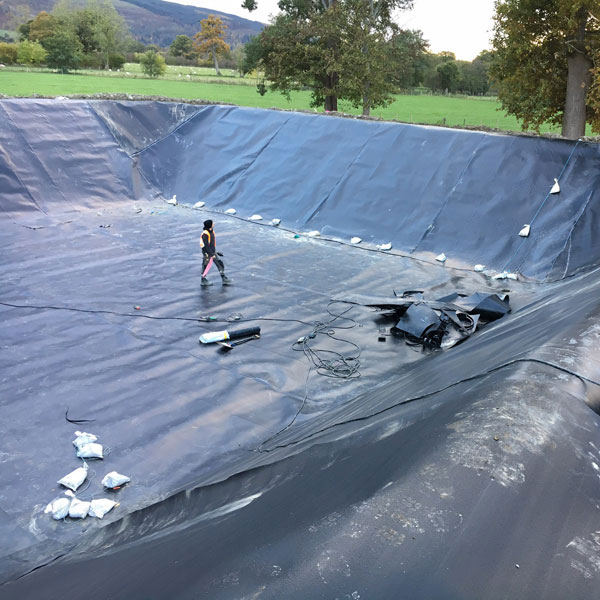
<point>466,473</point>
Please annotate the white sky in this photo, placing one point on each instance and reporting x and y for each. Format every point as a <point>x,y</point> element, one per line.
<point>460,26</point>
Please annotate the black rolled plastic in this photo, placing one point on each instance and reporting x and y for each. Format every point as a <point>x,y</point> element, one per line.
<point>242,333</point>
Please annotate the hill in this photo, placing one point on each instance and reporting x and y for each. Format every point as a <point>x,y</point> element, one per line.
<point>150,21</point>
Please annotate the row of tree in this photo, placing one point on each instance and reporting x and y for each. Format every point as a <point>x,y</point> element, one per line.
<point>410,64</point>
<point>354,50</point>
<point>210,40</point>
<point>544,63</point>
<point>93,33</point>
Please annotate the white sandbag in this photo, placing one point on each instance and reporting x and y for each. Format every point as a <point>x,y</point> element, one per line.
<point>83,438</point>
<point>59,507</point>
<point>256,218</point>
<point>441,257</point>
<point>79,509</point>
<point>75,478</point>
<point>479,268</point>
<point>173,201</point>
<point>275,222</point>
<point>114,479</point>
<point>555,188</point>
<point>199,204</point>
<point>314,233</point>
<point>525,231</point>
<point>98,508</point>
<point>90,451</point>
<point>230,211</point>
<point>355,240</point>
<point>505,275</point>
<point>385,246</point>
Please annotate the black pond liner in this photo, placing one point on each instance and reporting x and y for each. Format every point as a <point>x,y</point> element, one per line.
<point>466,473</point>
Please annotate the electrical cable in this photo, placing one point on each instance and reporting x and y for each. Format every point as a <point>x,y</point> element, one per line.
<point>144,316</point>
<point>428,394</point>
<point>76,421</point>
<point>274,435</point>
<point>340,367</point>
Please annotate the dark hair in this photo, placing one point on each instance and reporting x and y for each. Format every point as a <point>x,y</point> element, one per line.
<point>208,224</point>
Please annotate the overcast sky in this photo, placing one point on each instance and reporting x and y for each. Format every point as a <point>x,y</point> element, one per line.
<point>460,26</point>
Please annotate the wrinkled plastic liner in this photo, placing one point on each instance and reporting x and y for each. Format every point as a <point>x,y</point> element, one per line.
<point>254,474</point>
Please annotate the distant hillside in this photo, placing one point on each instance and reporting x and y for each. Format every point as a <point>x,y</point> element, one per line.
<point>150,21</point>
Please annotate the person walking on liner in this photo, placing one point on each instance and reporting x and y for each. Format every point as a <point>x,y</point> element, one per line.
<point>210,255</point>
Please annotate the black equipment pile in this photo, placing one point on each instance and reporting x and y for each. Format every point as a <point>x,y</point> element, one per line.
<point>441,323</point>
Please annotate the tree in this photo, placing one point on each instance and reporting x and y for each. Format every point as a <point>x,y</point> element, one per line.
<point>378,29</point>
<point>23,30</point>
<point>31,53</point>
<point>337,48</point>
<point>8,53</point>
<point>42,27</point>
<point>301,49</point>
<point>254,52</point>
<point>97,25</point>
<point>448,75</point>
<point>183,46</point>
<point>110,32</point>
<point>211,39</point>
<point>81,22</point>
<point>153,64</point>
<point>116,61</point>
<point>366,74</point>
<point>543,56</point>
<point>406,51</point>
<point>474,75</point>
<point>64,51</point>
<point>442,72</point>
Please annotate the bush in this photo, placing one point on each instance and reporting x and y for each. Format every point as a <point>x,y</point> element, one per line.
<point>116,61</point>
<point>31,53</point>
<point>153,64</point>
<point>64,51</point>
<point>91,61</point>
<point>8,53</point>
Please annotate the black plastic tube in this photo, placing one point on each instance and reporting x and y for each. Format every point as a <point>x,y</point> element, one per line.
<point>241,333</point>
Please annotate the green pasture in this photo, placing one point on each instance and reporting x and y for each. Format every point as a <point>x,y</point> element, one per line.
<point>203,84</point>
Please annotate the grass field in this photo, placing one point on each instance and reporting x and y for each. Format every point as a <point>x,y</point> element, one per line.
<point>203,84</point>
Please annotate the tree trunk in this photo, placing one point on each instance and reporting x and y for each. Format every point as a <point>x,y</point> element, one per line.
<point>578,85</point>
<point>331,79</point>
<point>331,101</point>
<point>214,55</point>
<point>579,79</point>
<point>366,108</point>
